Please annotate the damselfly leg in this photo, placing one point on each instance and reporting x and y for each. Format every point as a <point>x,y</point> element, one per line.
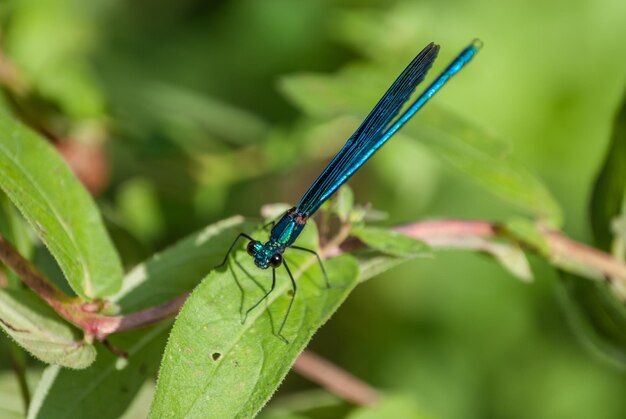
<point>319,261</point>
<point>293,296</point>
<point>232,246</point>
<point>255,305</point>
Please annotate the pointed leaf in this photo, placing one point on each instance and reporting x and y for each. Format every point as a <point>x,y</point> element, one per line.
<point>40,331</point>
<point>391,242</point>
<point>188,261</point>
<point>343,203</point>
<point>597,315</point>
<point>216,366</point>
<point>107,379</point>
<point>373,263</point>
<point>528,232</point>
<point>147,285</point>
<point>60,210</point>
<point>609,191</point>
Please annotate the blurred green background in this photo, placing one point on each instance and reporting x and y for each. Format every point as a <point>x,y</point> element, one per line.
<point>185,97</point>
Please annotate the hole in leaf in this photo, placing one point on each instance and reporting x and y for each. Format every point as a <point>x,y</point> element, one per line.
<point>216,356</point>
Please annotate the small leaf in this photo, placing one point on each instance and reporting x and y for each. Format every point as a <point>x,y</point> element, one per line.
<point>527,231</point>
<point>104,380</point>
<point>215,366</point>
<point>344,202</point>
<point>40,331</point>
<point>501,176</point>
<point>60,210</point>
<point>609,191</point>
<point>511,257</point>
<point>151,283</point>
<point>186,115</point>
<point>598,316</point>
<point>391,242</point>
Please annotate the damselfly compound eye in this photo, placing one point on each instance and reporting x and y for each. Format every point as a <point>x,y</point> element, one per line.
<point>252,246</point>
<point>276,260</point>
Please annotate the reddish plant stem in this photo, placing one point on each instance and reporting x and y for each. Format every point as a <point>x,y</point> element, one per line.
<point>335,379</point>
<point>151,315</point>
<point>562,252</point>
<point>80,313</point>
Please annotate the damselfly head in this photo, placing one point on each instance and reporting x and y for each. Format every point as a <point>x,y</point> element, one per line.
<point>265,255</point>
<point>264,259</point>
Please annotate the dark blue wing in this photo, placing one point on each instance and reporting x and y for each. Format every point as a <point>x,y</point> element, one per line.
<point>380,118</point>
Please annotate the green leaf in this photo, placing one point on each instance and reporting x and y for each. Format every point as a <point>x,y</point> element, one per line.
<point>374,263</point>
<point>11,403</point>
<point>396,247</point>
<point>596,314</point>
<point>60,210</point>
<point>609,189</point>
<point>391,242</point>
<point>186,115</point>
<point>470,149</point>
<point>14,230</point>
<point>48,41</point>
<point>215,366</point>
<point>510,256</point>
<point>344,202</point>
<point>107,379</point>
<point>527,231</point>
<point>179,268</point>
<point>140,406</point>
<point>40,331</point>
<point>147,285</point>
<point>597,317</point>
<point>499,175</point>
